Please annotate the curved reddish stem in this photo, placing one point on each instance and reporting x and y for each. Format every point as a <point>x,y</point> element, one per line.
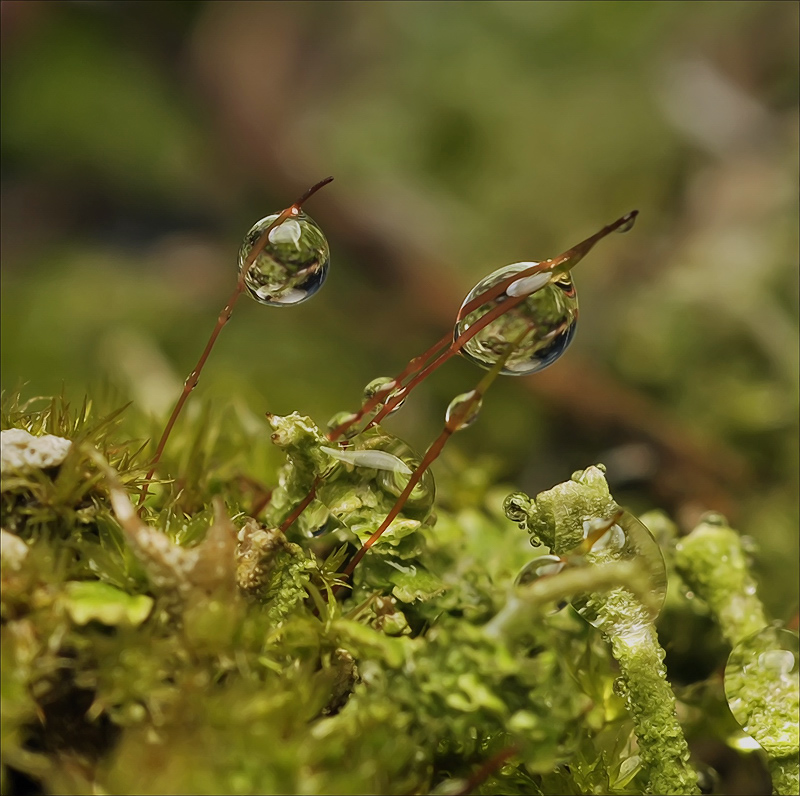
<point>223,318</point>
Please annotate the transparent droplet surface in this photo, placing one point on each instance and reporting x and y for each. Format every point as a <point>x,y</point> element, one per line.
<point>339,419</point>
<point>552,310</point>
<point>463,411</point>
<point>393,482</point>
<point>626,540</point>
<point>292,266</point>
<point>627,225</point>
<point>538,568</point>
<point>385,388</point>
<point>317,520</point>
<point>762,686</point>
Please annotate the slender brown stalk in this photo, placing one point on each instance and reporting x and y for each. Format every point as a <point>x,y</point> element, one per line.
<point>452,424</point>
<point>224,317</point>
<point>301,506</point>
<point>438,354</point>
<point>412,367</point>
<point>487,769</point>
<point>570,258</point>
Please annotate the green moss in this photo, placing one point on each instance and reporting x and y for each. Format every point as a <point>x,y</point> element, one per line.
<point>206,652</point>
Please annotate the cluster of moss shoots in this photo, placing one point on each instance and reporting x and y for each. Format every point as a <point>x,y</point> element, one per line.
<point>348,640</point>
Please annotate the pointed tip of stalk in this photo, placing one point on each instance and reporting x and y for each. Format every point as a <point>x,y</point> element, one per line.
<point>310,192</point>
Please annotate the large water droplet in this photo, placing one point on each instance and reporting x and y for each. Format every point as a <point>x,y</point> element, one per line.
<point>460,414</point>
<point>385,388</point>
<point>551,309</point>
<point>762,685</point>
<point>626,540</point>
<point>538,568</point>
<point>420,501</point>
<point>293,264</point>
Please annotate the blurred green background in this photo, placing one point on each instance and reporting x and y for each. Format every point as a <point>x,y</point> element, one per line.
<point>140,141</point>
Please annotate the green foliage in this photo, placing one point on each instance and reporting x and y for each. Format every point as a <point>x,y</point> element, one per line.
<point>403,686</point>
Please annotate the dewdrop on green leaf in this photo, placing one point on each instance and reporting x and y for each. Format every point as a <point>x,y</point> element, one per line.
<point>293,264</point>
<point>762,685</point>
<point>550,308</point>
<point>384,387</point>
<point>460,414</point>
<point>627,539</point>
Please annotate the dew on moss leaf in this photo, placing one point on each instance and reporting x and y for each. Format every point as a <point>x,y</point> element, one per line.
<point>550,311</point>
<point>762,686</point>
<point>627,225</point>
<point>293,264</point>
<point>627,539</point>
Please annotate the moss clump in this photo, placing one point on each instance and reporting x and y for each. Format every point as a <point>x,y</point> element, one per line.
<point>204,651</point>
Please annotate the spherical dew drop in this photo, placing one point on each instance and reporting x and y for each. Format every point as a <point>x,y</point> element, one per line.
<point>384,387</point>
<point>549,310</point>
<point>292,265</point>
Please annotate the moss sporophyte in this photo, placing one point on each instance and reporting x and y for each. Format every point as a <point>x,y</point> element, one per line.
<point>354,635</point>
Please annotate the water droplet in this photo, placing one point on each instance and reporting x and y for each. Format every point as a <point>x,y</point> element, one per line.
<point>516,506</point>
<point>316,520</point>
<point>420,501</point>
<point>552,310</point>
<point>714,518</point>
<point>339,419</point>
<point>620,687</point>
<point>707,778</point>
<point>384,386</point>
<point>762,685</point>
<point>460,414</point>
<point>541,567</point>
<point>628,222</point>
<point>293,264</point>
<point>627,540</point>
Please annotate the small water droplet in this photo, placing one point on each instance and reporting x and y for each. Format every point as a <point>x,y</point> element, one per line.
<point>628,222</point>
<point>714,518</point>
<point>339,419</point>
<point>293,264</point>
<point>538,568</point>
<point>384,386</point>
<point>552,311</point>
<point>619,687</point>
<point>707,778</point>
<point>463,411</point>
